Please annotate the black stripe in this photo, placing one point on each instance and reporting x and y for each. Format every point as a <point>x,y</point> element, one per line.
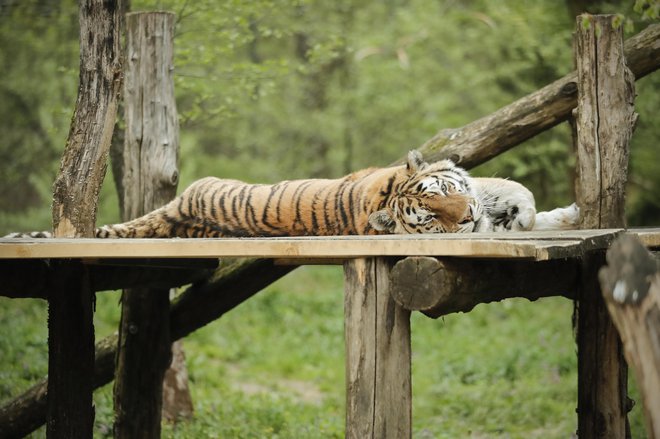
<point>278,205</point>
<point>351,207</point>
<point>388,189</point>
<point>339,203</point>
<point>315,223</point>
<point>300,190</point>
<point>326,217</point>
<point>249,212</point>
<point>264,215</point>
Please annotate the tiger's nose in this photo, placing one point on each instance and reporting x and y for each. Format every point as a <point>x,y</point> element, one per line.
<point>469,215</point>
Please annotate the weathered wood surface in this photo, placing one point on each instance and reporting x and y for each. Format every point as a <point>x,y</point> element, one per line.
<point>75,197</point>
<point>439,287</point>
<point>377,331</point>
<point>605,120</point>
<point>233,283</point>
<point>525,245</point>
<point>485,138</point>
<point>31,277</point>
<point>149,180</point>
<point>631,287</point>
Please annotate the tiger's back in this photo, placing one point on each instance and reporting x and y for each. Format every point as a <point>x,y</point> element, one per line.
<point>214,207</point>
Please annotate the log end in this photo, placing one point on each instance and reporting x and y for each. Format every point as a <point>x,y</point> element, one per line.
<point>416,283</point>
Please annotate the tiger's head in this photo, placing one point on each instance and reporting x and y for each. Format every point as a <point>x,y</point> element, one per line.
<point>431,198</point>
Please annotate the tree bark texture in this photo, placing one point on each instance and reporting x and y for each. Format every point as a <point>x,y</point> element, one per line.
<point>485,138</point>
<point>631,288</point>
<point>84,161</point>
<point>605,120</point>
<point>149,180</point>
<point>377,331</point>
<point>75,197</point>
<point>439,287</point>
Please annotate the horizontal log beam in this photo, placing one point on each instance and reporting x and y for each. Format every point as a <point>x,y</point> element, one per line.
<point>485,138</point>
<point>439,287</point>
<point>31,278</point>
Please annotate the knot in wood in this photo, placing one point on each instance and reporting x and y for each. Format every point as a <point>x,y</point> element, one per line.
<point>569,89</point>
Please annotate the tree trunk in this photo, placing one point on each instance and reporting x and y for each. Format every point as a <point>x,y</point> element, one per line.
<point>70,306</point>
<point>149,180</point>
<point>604,121</point>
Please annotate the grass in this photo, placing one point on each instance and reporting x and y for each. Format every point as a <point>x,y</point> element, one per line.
<point>274,367</point>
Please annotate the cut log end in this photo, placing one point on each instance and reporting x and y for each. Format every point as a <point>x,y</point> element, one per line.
<point>416,283</point>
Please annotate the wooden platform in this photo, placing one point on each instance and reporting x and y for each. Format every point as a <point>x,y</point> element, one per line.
<point>515,245</point>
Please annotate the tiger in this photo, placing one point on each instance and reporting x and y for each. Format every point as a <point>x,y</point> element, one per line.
<point>417,197</point>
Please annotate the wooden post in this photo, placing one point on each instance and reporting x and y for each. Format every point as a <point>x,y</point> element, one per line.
<point>631,287</point>
<point>75,195</point>
<point>149,180</point>
<point>378,383</point>
<point>605,121</point>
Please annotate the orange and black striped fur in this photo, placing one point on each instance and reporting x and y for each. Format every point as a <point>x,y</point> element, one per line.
<point>414,198</point>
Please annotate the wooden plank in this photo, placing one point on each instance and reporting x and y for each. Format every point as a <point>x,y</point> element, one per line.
<point>377,330</point>
<point>538,246</point>
<point>649,237</point>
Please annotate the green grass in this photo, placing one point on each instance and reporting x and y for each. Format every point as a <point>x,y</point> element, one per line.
<point>274,367</point>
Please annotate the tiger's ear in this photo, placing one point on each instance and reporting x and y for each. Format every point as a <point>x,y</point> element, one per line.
<point>415,162</point>
<point>382,221</point>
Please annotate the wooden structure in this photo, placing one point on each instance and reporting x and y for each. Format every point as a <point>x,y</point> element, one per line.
<point>381,287</point>
<point>377,311</point>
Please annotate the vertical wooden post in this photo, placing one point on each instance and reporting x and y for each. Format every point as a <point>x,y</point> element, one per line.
<point>605,119</point>
<point>70,410</point>
<point>149,180</point>
<point>378,383</point>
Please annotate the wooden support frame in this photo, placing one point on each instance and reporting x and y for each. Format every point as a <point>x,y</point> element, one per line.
<point>378,369</point>
<point>605,119</point>
<point>439,287</point>
<point>149,180</point>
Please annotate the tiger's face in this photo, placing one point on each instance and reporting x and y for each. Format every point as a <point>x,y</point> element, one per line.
<point>433,198</point>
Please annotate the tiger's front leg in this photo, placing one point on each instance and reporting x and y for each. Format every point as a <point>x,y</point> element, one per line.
<point>509,205</point>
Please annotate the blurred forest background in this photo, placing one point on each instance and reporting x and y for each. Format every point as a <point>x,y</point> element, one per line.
<point>270,90</point>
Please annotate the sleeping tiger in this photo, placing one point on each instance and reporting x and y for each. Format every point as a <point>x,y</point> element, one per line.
<point>414,198</point>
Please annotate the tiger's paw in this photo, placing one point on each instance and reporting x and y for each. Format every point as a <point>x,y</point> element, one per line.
<point>516,218</point>
<point>561,218</point>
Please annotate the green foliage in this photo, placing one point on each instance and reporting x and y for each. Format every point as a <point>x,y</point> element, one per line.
<point>270,90</point>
